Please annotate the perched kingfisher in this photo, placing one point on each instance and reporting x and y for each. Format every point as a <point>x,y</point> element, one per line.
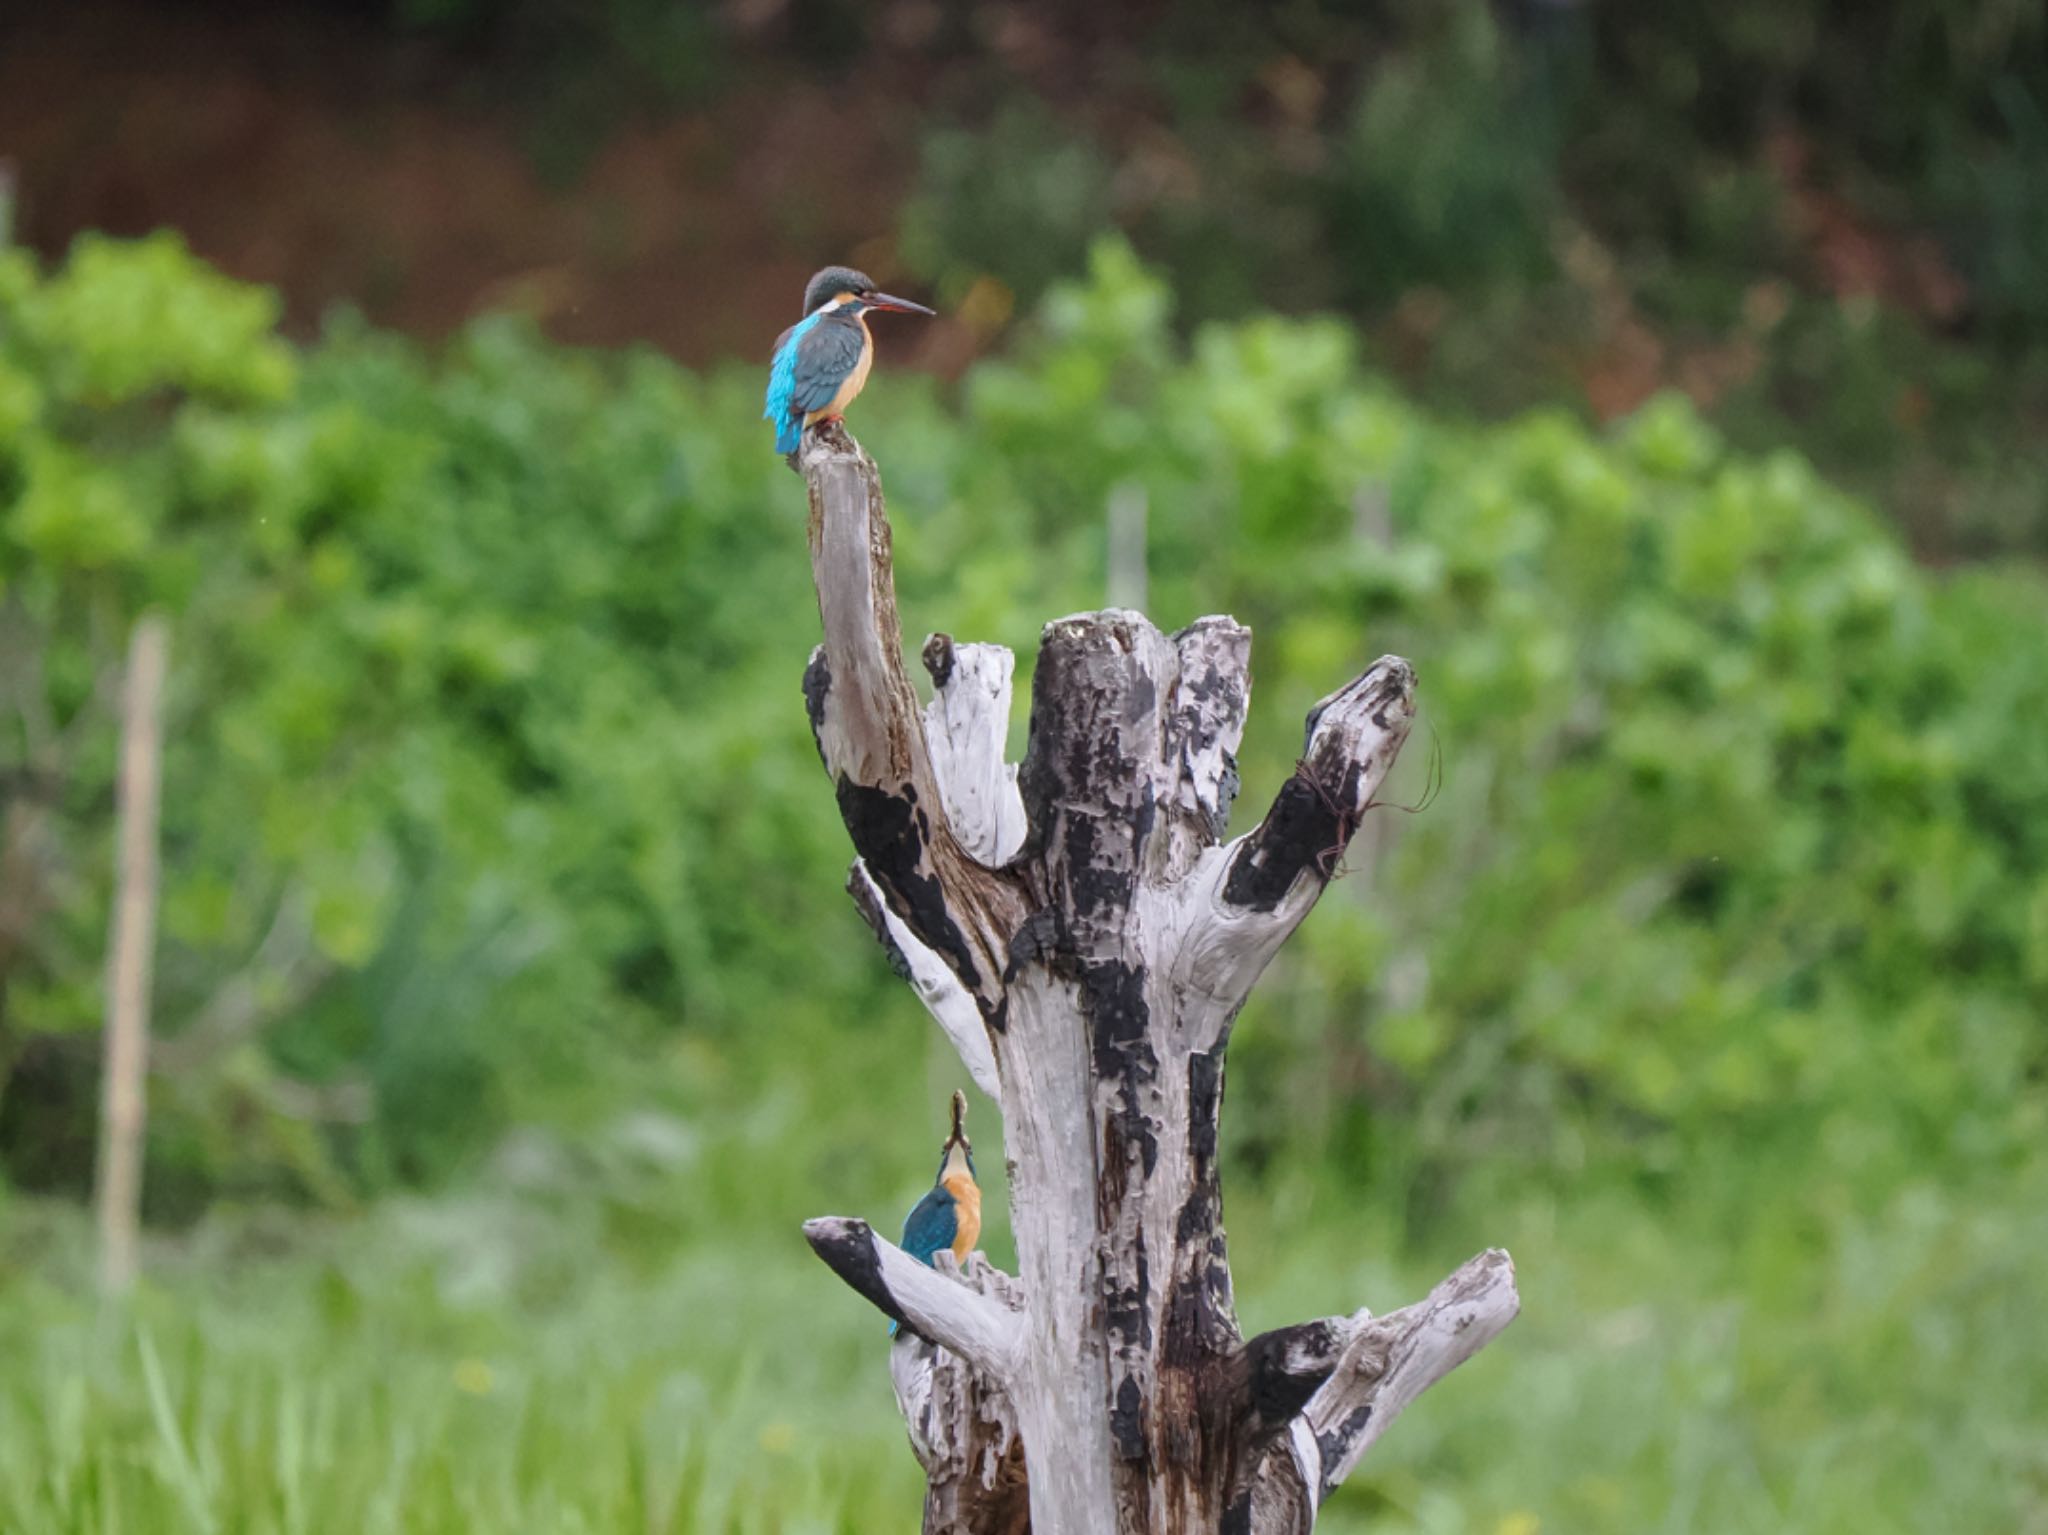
<point>950,1215</point>
<point>822,361</point>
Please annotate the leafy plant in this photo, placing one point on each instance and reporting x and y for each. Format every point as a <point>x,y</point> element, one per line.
<point>489,785</point>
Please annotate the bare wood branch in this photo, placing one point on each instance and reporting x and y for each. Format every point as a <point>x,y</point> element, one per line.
<point>953,1314</point>
<point>1243,901</point>
<point>1351,741</point>
<point>1211,697</point>
<point>966,727</point>
<point>936,986</point>
<point>1258,1396</point>
<point>1384,1364</point>
<point>1395,1358</point>
<point>870,732</point>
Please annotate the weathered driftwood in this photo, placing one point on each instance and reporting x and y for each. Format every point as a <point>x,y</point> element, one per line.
<point>1085,937</point>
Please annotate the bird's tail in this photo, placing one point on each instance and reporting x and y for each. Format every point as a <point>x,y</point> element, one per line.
<point>789,433</point>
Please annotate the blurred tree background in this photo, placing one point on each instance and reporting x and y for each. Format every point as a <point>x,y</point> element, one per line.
<point>1822,222</point>
<point>1666,383</point>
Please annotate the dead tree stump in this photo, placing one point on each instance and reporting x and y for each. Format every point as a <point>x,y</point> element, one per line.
<point>1085,937</point>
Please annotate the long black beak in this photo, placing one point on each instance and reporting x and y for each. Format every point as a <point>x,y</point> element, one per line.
<point>884,301</point>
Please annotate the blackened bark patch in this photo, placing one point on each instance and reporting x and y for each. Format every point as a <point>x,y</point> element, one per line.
<point>1216,1277</point>
<point>1099,882</point>
<point>1198,1224</point>
<point>1287,1367</point>
<point>890,832</point>
<point>1127,1308</point>
<point>1142,698</point>
<point>1336,1441</point>
<point>868,902</point>
<point>1113,998</point>
<point>1301,833</point>
<point>1127,1421</point>
<point>1059,693</point>
<point>817,688</point>
<point>1197,1217</point>
<point>1093,712</point>
<point>1207,703</point>
<point>849,1251</point>
<point>1119,1021</point>
<point>1237,1518</point>
<point>1205,1104</point>
<point>1196,1332</point>
<point>1037,938</point>
<point>938,659</point>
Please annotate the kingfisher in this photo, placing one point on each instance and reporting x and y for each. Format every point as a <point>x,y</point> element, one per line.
<point>822,361</point>
<point>949,1216</point>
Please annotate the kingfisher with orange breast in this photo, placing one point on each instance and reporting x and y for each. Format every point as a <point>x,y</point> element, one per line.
<point>821,362</point>
<point>949,1216</point>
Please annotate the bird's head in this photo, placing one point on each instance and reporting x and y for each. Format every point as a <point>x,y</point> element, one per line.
<point>958,1152</point>
<point>841,288</point>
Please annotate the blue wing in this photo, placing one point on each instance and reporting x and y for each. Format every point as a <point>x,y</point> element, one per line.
<point>931,1226</point>
<point>929,1229</point>
<point>812,359</point>
<point>779,407</point>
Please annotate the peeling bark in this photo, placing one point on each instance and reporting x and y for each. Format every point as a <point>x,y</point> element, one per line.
<point>1083,935</point>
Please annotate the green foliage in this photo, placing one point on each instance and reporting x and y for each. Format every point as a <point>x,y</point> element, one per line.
<point>1054,181</point>
<point>1533,203</point>
<point>1743,822</point>
<point>1909,103</point>
<point>483,713</point>
<point>1445,173</point>
<point>469,716</point>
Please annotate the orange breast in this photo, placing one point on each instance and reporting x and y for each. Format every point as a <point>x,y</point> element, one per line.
<point>967,1211</point>
<point>856,381</point>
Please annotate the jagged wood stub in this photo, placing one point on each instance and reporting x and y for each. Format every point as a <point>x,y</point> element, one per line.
<point>1085,938</point>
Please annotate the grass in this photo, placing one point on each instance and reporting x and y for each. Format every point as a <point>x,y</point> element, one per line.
<point>498,1363</point>
<point>322,1391</point>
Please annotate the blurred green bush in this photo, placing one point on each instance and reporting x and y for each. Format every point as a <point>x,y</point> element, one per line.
<point>489,798</point>
<point>482,771</point>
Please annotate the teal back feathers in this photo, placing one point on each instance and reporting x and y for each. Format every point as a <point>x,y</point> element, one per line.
<point>780,406</point>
